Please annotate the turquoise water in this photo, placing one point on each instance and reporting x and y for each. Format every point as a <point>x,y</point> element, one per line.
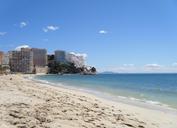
<point>158,89</point>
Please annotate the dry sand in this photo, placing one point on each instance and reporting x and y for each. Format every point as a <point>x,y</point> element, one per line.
<point>28,104</point>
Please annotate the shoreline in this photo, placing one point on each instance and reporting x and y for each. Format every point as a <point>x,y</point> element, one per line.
<point>27,103</point>
<point>107,96</point>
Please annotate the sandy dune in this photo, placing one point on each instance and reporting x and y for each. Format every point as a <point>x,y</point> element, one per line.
<point>28,104</point>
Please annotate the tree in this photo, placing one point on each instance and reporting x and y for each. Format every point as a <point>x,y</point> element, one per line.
<point>3,69</point>
<point>93,70</point>
<point>68,68</point>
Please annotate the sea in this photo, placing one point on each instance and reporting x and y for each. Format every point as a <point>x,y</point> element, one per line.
<point>145,89</point>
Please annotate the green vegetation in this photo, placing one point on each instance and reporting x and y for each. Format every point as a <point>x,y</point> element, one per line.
<point>3,69</point>
<point>67,68</point>
<point>56,68</point>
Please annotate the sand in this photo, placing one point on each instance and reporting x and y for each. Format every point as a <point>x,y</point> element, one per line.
<point>28,104</point>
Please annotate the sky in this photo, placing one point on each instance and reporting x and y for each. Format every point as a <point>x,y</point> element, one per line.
<point>128,36</point>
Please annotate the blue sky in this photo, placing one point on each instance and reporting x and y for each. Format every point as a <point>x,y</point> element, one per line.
<point>117,35</point>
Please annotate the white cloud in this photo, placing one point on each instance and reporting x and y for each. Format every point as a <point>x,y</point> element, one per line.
<point>103,32</point>
<point>23,24</point>
<point>22,46</point>
<point>147,68</point>
<point>84,55</point>
<point>152,66</point>
<point>53,28</point>
<point>50,28</point>
<point>3,33</point>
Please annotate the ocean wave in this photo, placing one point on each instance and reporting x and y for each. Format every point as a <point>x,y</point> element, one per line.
<point>150,102</point>
<point>44,81</point>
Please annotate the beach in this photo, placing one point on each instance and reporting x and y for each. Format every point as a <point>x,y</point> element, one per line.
<point>25,103</point>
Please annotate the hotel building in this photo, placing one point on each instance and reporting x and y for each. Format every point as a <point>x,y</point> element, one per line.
<point>39,57</point>
<point>5,59</point>
<point>60,56</point>
<point>28,60</point>
<point>22,61</point>
<point>40,60</point>
<point>1,57</point>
